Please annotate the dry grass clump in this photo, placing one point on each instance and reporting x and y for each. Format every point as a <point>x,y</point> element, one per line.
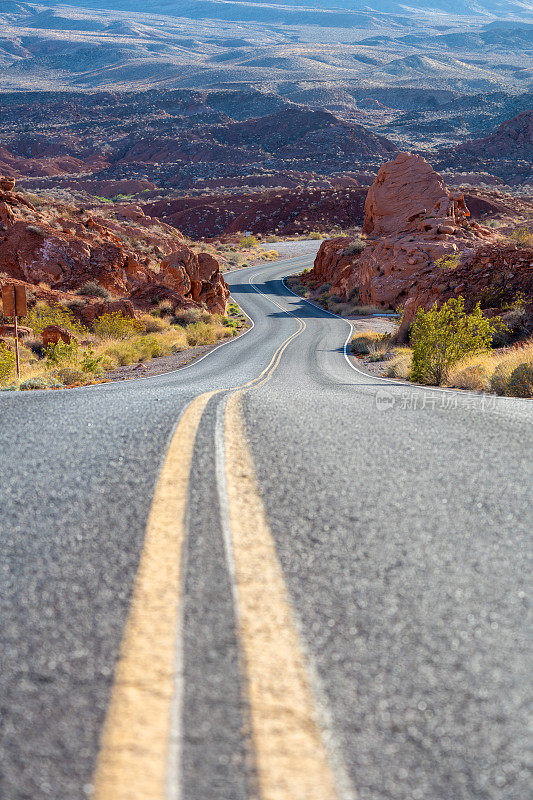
<point>187,316</point>
<point>153,324</point>
<point>361,343</point>
<point>400,363</point>
<point>502,372</point>
<point>120,352</point>
<point>202,333</point>
<point>473,377</point>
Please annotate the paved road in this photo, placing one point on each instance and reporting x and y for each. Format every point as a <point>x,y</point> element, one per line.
<point>391,584</point>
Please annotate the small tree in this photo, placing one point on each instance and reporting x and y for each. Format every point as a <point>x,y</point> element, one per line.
<point>248,241</point>
<point>442,336</point>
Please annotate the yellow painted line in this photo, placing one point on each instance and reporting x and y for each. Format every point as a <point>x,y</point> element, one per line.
<point>133,759</point>
<point>291,757</point>
<point>132,762</point>
<point>274,361</point>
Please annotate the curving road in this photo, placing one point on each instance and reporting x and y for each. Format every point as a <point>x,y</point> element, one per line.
<point>344,605</point>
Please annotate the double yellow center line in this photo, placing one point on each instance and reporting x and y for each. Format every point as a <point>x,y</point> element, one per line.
<point>291,757</point>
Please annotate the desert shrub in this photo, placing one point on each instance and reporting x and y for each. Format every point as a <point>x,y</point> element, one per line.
<point>248,242</point>
<point>511,326</point>
<point>34,383</point>
<point>116,326</point>
<point>523,237</point>
<point>473,377</point>
<point>43,315</point>
<point>448,262</point>
<point>72,376</point>
<point>400,364</point>
<point>7,362</point>
<point>315,235</point>
<point>76,304</point>
<point>35,230</point>
<point>500,378</point>
<point>268,255</point>
<point>520,382</point>
<point>355,248</point>
<point>188,316</point>
<point>200,333</point>
<point>35,345</point>
<point>165,307</point>
<point>442,336</point>
<point>91,362</point>
<point>61,353</point>
<point>153,324</point>
<point>94,289</point>
<point>150,346</point>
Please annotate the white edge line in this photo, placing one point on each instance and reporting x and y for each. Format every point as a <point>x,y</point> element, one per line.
<point>178,369</point>
<point>148,377</point>
<point>396,381</point>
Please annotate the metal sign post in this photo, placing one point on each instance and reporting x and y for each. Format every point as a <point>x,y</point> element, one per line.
<point>14,305</point>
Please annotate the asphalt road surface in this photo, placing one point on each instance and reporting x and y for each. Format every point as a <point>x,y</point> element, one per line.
<point>342,611</point>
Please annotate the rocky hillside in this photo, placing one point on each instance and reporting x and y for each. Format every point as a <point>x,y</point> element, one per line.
<point>507,152</point>
<point>57,248</point>
<point>422,246</point>
<point>285,213</point>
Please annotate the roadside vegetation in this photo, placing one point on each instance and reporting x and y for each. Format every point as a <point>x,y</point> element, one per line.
<point>112,341</point>
<point>452,348</point>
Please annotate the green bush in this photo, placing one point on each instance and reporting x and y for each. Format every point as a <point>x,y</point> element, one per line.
<point>442,336</point>
<point>43,315</point>
<point>90,362</point>
<point>521,381</point>
<point>201,333</point>
<point>116,326</point>
<point>61,353</point>
<point>248,241</point>
<point>7,362</point>
<point>94,289</point>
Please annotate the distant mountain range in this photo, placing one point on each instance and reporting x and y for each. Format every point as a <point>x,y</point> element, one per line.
<point>322,12</point>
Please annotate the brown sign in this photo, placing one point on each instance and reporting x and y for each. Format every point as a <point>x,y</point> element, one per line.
<point>8,301</point>
<point>20,301</point>
<point>14,301</point>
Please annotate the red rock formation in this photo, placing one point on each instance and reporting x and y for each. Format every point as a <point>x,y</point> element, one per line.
<point>421,247</point>
<point>53,334</point>
<point>64,248</point>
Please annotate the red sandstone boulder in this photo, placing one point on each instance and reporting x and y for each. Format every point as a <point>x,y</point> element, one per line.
<point>53,334</point>
<point>419,241</point>
<point>407,191</point>
<point>6,184</point>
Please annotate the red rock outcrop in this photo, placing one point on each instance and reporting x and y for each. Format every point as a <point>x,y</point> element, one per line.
<point>64,248</point>
<point>53,334</point>
<point>421,247</point>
